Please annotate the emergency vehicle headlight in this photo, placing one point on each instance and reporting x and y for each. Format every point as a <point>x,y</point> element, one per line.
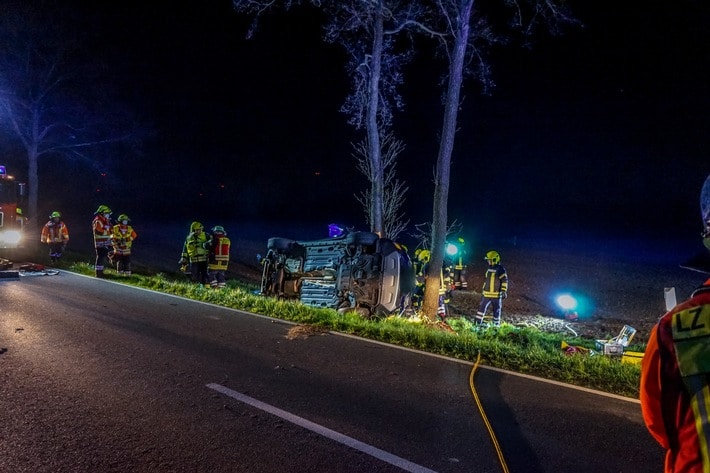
<point>11,237</point>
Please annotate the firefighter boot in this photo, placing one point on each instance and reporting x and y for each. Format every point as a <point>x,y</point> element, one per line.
<point>100,273</point>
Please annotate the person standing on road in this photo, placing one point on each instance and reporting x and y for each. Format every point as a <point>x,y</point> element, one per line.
<point>103,230</point>
<point>195,251</point>
<point>218,259</point>
<point>55,234</point>
<point>122,242</point>
<point>495,289</point>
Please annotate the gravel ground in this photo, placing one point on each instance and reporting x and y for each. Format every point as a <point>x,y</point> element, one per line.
<point>616,290</point>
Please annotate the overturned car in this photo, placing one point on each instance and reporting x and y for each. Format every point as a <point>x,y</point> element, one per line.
<point>358,271</point>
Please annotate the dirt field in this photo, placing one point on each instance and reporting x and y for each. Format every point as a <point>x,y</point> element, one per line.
<point>614,291</point>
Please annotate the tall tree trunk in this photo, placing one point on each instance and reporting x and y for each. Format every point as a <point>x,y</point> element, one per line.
<point>443,163</point>
<point>33,184</point>
<point>32,145</point>
<point>373,132</point>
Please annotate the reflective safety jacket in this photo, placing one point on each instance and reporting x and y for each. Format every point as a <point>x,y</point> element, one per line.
<point>675,384</point>
<point>122,239</point>
<point>54,232</point>
<point>102,231</point>
<point>219,253</point>
<point>496,281</point>
<point>196,246</point>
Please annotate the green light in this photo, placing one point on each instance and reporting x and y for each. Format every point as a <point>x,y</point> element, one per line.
<point>451,249</point>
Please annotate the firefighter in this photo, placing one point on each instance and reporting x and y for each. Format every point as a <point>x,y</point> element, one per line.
<point>421,261</point>
<point>495,289</point>
<point>55,234</point>
<point>421,266</point>
<point>103,230</point>
<point>218,257</point>
<point>122,242</point>
<point>194,251</point>
<point>675,381</point>
<point>458,273</point>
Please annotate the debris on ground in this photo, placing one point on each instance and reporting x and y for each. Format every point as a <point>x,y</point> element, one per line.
<point>33,269</point>
<point>305,331</point>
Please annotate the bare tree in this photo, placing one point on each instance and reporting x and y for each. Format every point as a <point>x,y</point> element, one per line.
<point>368,31</point>
<point>464,34</point>
<point>43,92</point>
<point>394,190</point>
<point>422,233</point>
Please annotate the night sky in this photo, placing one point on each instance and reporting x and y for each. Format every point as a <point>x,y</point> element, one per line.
<point>602,130</point>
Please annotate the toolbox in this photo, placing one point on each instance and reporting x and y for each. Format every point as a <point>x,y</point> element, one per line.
<point>615,346</point>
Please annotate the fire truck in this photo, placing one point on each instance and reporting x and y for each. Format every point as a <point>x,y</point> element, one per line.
<point>12,221</point>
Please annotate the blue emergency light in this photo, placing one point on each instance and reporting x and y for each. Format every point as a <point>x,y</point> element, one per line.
<point>566,302</point>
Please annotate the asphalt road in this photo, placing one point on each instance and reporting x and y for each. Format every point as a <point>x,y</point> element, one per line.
<point>100,377</point>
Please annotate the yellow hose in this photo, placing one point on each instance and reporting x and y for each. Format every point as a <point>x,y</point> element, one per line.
<point>492,434</point>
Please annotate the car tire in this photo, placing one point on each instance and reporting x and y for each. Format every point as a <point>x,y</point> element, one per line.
<point>363,238</point>
<point>280,244</point>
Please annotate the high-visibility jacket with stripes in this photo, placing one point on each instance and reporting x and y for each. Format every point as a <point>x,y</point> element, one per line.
<point>675,384</point>
<point>122,239</point>
<point>54,232</point>
<point>102,231</point>
<point>195,247</point>
<point>496,281</point>
<point>219,253</point>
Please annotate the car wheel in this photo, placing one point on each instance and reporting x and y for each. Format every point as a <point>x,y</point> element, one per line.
<point>363,238</point>
<point>279,244</point>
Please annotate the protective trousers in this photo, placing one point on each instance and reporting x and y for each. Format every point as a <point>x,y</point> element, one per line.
<point>497,307</point>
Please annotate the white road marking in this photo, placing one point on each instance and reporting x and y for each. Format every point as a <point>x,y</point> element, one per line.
<point>324,431</point>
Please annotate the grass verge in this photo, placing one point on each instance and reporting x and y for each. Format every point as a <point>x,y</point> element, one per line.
<point>524,350</point>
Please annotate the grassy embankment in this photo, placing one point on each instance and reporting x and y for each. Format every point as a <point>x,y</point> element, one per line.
<point>524,350</point>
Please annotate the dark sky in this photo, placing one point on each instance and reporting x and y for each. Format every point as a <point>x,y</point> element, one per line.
<point>601,130</point>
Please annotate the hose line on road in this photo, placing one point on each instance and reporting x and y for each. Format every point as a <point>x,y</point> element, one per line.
<point>492,434</point>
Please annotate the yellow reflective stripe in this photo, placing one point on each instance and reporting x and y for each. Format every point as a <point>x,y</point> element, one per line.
<point>700,404</point>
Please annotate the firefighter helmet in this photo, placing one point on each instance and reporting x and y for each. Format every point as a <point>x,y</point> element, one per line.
<point>55,214</point>
<point>422,255</point>
<point>196,226</point>
<point>103,209</point>
<point>218,229</point>
<point>123,217</point>
<point>493,257</point>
